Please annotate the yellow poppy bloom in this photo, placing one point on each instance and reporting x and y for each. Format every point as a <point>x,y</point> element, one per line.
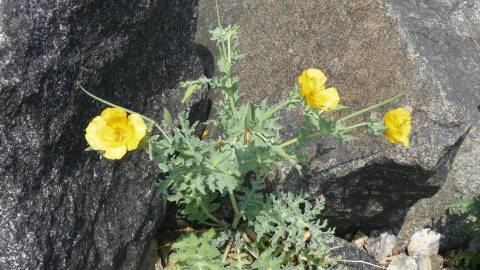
<point>312,86</point>
<point>115,133</point>
<point>311,80</point>
<point>398,126</point>
<point>326,100</point>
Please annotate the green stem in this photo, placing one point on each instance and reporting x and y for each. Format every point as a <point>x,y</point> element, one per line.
<point>275,110</point>
<point>232,103</point>
<point>373,107</point>
<point>295,140</point>
<point>79,85</point>
<point>238,215</point>
<point>213,224</point>
<point>289,142</point>
<point>260,135</point>
<point>356,126</point>
<point>223,49</point>
<point>212,217</point>
<point>229,50</point>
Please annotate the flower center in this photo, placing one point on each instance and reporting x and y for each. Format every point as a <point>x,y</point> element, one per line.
<point>120,134</point>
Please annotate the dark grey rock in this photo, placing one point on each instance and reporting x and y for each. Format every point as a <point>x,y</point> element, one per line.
<point>353,258</point>
<point>61,207</point>
<point>370,50</point>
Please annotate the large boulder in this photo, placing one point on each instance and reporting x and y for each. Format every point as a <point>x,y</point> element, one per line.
<point>61,207</point>
<point>463,178</point>
<point>371,50</point>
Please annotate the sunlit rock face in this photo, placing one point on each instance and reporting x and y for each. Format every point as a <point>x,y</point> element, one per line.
<point>370,51</point>
<point>61,207</point>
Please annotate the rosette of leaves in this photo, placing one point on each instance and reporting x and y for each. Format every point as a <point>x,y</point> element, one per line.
<point>291,226</point>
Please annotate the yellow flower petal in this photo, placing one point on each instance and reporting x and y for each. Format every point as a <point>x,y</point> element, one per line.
<point>115,117</point>
<point>115,152</point>
<point>398,124</point>
<point>311,80</point>
<point>138,130</point>
<point>95,132</point>
<point>326,100</point>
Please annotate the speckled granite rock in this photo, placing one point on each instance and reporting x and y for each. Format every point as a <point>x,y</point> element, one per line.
<point>60,207</point>
<point>463,178</point>
<point>371,50</point>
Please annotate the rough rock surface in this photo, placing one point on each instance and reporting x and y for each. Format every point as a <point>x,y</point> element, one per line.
<point>426,242</point>
<point>404,262</point>
<point>370,50</point>
<point>354,258</point>
<point>381,245</point>
<point>60,207</point>
<point>463,178</point>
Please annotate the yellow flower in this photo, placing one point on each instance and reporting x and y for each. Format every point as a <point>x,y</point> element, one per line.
<point>398,126</point>
<point>312,87</point>
<point>311,80</point>
<point>326,100</point>
<point>114,133</point>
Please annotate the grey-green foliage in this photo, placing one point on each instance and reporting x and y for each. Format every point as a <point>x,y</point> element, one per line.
<point>374,126</point>
<point>269,261</point>
<point>251,203</point>
<point>291,224</point>
<point>281,231</point>
<point>196,171</point>
<point>196,253</point>
<point>466,205</point>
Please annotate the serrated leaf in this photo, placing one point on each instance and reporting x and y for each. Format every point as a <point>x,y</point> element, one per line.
<point>162,186</point>
<point>196,253</point>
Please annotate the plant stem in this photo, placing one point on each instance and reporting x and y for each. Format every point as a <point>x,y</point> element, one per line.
<point>148,119</point>
<point>229,51</point>
<point>295,140</point>
<point>376,106</point>
<point>232,103</point>
<point>289,142</point>
<point>212,217</point>
<point>223,49</point>
<point>238,215</point>
<point>356,126</point>
<point>213,224</point>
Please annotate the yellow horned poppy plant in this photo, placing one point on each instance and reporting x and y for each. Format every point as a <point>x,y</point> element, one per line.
<point>398,126</point>
<point>312,87</point>
<point>115,133</point>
